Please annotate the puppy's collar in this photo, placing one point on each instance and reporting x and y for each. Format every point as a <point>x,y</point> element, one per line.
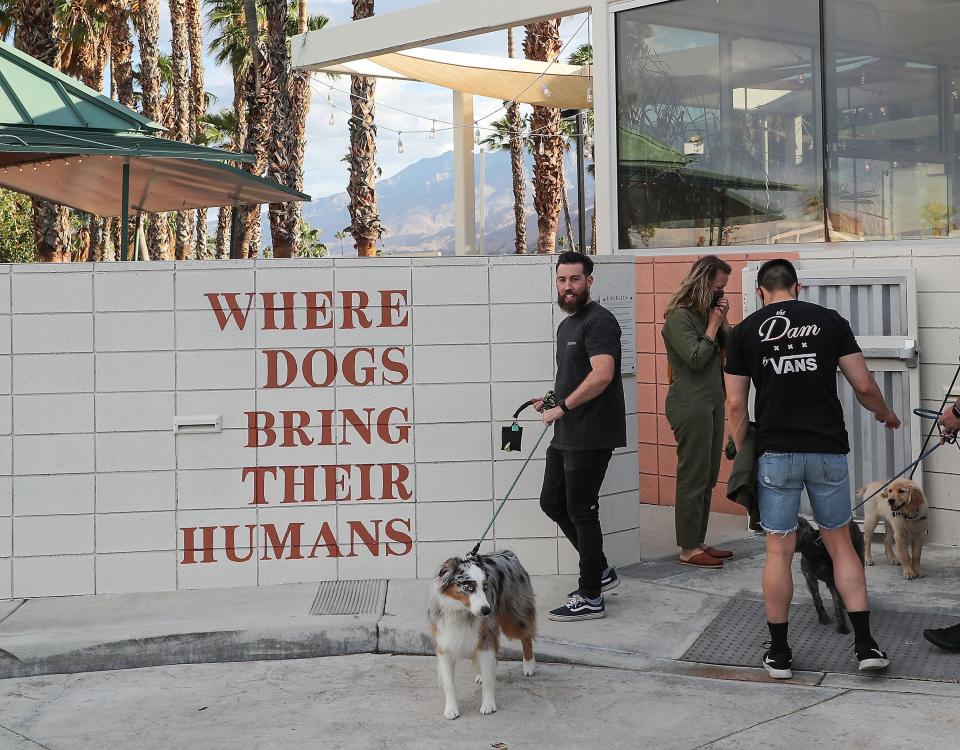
<point>915,517</point>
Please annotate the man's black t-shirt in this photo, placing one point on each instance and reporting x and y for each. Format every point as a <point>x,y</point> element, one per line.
<point>601,422</point>
<point>790,351</point>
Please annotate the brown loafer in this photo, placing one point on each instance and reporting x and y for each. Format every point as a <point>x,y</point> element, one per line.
<point>720,554</point>
<point>702,560</point>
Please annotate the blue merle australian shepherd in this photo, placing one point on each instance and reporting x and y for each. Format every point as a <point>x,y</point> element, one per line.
<point>473,600</point>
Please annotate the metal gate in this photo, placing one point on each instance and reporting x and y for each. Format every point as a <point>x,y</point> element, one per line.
<point>881,306</point>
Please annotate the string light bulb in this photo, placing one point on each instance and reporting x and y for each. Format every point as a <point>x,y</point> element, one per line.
<point>330,97</point>
<point>333,118</point>
<point>589,93</point>
<point>546,91</point>
<point>476,135</point>
<point>540,148</point>
<point>399,142</point>
<point>433,130</point>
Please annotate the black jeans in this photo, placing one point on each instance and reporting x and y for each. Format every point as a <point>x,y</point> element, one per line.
<point>570,497</point>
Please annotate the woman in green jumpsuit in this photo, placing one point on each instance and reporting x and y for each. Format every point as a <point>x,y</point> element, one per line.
<point>694,328</point>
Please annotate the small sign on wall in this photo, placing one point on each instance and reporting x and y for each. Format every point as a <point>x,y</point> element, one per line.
<point>615,290</point>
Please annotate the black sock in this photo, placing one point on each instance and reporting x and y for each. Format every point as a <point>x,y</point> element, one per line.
<point>861,628</point>
<point>778,637</point>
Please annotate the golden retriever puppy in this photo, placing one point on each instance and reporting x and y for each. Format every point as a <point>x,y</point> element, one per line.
<point>903,508</point>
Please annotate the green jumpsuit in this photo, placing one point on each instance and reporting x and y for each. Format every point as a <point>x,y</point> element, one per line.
<point>694,409</point>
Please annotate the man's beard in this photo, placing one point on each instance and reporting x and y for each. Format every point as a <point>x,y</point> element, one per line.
<point>575,303</point>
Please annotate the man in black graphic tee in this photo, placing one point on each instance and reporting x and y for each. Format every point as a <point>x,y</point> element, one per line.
<point>589,422</point>
<point>790,350</point>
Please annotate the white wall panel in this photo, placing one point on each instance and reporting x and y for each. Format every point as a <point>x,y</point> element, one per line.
<point>53,413</point>
<point>52,373</point>
<point>136,490</point>
<point>133,331</point>
<point>118,289</point>
<point>106,495</point>
<point>46,292</point>
<point>6,496</point>
<point>452,364</point>
<point>60,332</point>
<point>450,285</point>
<point>53,454</point>
<point>59,575</point>
<point>135,412</point>
<point>135,572</point>
<point>135,451</point>
<point>54,494</point>
<point>52,535</point>
<point>136,371</point>
<point>136,532</point>
<point>521,323</point>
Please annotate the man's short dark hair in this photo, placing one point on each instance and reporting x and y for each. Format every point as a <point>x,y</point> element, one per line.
<point>572,256</point>
<point>777,274</point>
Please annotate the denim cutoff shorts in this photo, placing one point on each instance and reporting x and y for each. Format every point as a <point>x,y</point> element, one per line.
<point>781,478</point>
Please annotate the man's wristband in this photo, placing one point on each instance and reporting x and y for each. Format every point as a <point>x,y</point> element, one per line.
<point>563,406</point>
<point>955,411</point>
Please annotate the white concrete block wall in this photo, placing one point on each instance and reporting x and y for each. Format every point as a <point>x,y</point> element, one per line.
<point>937,266</point>
<point>99,493</point>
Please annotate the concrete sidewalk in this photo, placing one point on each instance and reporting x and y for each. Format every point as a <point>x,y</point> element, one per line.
<point>657,613</point>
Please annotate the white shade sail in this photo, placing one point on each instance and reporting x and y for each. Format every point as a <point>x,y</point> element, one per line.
<point>504,78</point>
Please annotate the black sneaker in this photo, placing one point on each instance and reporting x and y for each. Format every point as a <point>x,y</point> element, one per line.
<point>946,638</point>
<point>871,658</point>
<point>579,608</point>
<point>779,665</point>
<point>610,580</point>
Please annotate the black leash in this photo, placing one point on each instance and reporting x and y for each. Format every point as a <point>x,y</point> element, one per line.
<point>549,401</point>
<point>943,404</point>
<point>944,439</point>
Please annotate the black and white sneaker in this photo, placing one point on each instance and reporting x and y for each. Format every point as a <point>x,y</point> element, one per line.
<point>779,665</point>
<point>609,580</point>
<point>579,608</point>
<point>871,658</point>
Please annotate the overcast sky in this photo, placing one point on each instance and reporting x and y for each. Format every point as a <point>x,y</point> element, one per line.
<point>324,173</point>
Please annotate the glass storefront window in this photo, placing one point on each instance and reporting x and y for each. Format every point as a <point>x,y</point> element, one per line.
<point>890,122</point>
<point>717,129</point>
<point>724,134</point>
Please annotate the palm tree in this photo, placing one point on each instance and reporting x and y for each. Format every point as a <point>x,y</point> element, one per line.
<point>258,94</point>
<point>121,51</point>
<point>516,163</point>
<point>228,45</point>
<point>542,42</point>
<point>8,17</point>
<point>146,20</point>
<point>362,189</point>
<point>218,129</point>
<point>182,107</point>
<point>282,235</point>
<point>299,108</point>
<point>35,35</point>
<point>198,106</point>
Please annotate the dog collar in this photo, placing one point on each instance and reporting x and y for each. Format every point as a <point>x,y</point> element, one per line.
<point>915,517</point>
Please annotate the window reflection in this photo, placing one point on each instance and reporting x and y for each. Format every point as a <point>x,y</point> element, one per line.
<point>717,137</point>
<point>890,117</point>
<point>721,115</point>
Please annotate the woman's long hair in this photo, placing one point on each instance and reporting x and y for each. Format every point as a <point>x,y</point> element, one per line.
<point>694,292</point>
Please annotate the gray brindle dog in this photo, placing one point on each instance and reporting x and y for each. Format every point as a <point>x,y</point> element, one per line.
<point>816,565</point>
<point>472,601</point>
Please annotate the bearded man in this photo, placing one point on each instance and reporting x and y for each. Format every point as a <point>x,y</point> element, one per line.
<point>589,423</point>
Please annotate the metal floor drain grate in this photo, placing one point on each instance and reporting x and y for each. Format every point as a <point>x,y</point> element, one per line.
<point>736,635</point>
<point>350,598</point>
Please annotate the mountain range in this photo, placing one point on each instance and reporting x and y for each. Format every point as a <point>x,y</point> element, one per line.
<point>416,207</point>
